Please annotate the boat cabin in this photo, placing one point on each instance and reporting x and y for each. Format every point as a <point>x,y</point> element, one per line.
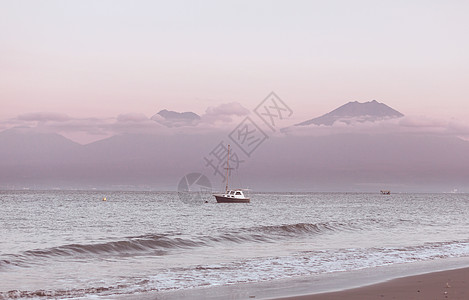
<point>235,194</point>
<point>232,196</point>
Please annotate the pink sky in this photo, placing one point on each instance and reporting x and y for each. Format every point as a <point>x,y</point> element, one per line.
<point>102,59</point>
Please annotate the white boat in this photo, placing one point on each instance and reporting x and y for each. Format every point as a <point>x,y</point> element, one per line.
<point>231,195</point>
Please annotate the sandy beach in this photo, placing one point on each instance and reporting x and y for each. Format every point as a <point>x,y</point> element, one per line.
<point>453,284</point>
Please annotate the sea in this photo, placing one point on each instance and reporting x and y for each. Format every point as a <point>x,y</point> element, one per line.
<point>72,244</point>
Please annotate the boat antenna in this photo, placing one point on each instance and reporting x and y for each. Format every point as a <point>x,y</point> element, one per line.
<point>227,169</point>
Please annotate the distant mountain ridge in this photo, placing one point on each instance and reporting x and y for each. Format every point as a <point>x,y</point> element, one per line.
<point>339,162</point>
<point>24,145</point>
<point>342,161</point>
<point>355,112</point>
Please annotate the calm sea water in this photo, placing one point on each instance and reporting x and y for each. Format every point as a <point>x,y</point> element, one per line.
<point>72,244</point>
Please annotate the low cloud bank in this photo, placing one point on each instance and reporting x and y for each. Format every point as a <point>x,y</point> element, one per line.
<point>85,130</point>
<point>406,125</point>
<point>221,118</point>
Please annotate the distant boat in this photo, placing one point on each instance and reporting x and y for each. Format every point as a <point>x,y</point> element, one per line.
<point>385,192</point>
<point>233,195</point>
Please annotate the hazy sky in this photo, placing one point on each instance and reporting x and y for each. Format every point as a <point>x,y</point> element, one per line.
<point>100,59</point>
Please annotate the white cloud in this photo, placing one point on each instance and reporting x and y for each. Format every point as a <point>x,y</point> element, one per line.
<point>224,113</point>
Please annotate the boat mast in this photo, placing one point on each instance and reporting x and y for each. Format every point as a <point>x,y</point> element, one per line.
<point>227,169</point>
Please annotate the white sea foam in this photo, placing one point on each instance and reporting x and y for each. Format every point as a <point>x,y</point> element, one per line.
<point>301,264</point>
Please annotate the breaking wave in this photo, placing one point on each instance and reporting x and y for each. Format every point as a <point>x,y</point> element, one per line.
<point>159,245</point>
<point>262,269</point>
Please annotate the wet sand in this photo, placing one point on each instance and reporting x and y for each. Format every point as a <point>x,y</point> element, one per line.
<point>453,284</point>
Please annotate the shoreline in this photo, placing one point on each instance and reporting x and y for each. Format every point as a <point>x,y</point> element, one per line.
<point>335,285</point>
<point>451,284</point>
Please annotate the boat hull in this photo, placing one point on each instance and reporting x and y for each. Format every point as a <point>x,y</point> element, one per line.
<point>222,199</point>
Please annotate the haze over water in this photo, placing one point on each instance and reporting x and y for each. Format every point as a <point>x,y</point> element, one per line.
<point>71,243</point>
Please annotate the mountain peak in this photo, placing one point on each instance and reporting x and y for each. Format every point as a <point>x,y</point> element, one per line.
<point>355,111</point>
<point>171,118</point>
<point>169,114</point>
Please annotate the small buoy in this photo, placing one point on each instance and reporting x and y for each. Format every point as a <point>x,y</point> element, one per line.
<point>104,198</point>
<point>206,201</point>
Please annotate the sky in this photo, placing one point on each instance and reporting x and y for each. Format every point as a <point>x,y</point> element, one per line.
<point>102,61</point>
